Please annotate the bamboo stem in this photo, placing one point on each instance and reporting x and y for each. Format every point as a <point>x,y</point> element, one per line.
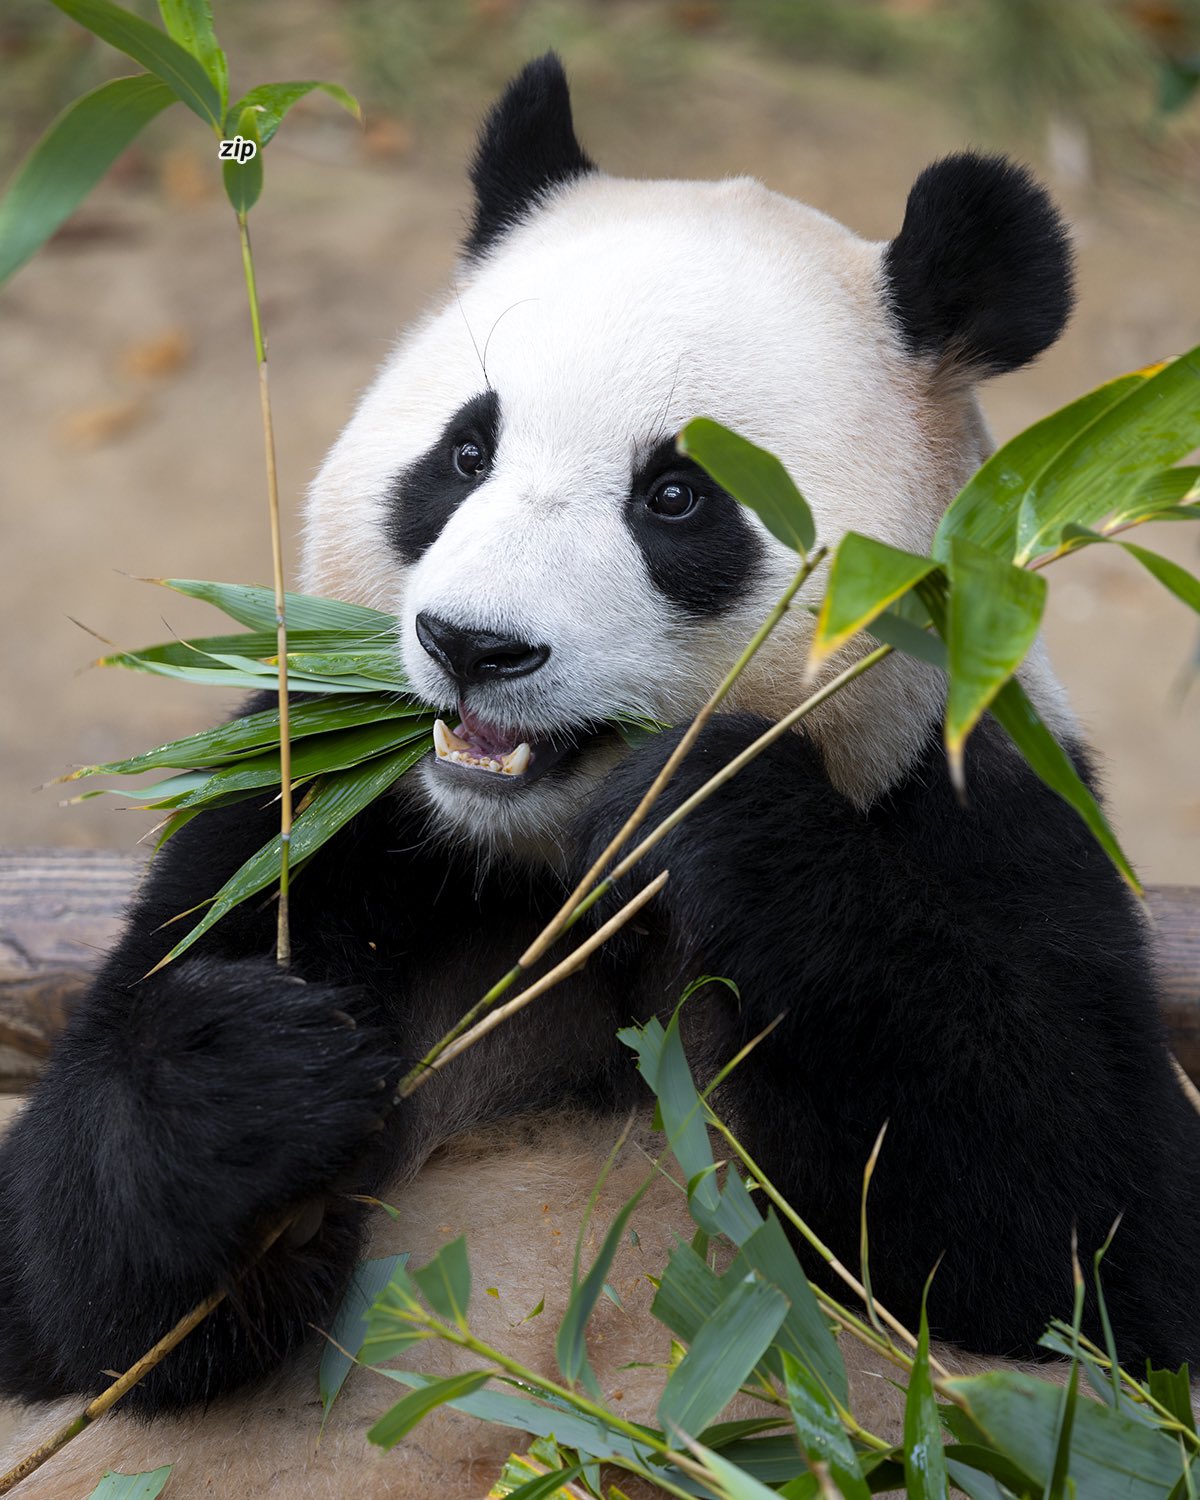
<point>283,941</point>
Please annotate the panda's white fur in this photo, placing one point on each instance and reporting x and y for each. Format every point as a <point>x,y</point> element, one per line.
<point>605,313</point>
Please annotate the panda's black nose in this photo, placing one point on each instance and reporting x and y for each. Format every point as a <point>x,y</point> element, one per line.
<point>472,656</point>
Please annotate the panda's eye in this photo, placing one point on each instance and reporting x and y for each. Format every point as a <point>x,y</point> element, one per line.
<point>470,459</point>
<point>672,499</point>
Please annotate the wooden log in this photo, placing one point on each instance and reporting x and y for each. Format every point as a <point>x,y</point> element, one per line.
<point>61,908</point>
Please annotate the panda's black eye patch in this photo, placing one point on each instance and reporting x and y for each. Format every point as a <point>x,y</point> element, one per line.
<point>699,546</point>
<point>423,497</point>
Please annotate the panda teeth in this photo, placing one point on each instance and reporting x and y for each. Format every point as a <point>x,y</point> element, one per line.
<point>448,746</point>
<point>445,741</point>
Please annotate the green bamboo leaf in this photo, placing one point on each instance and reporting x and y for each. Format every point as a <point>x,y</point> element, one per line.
<point>752,476</point>
<point>244,178</point>
<point>570,1345</point>
<point>70,159</point>
<point>819,1429</point>
<point>546,1486</point>
<point>272,101</point>
<point>309,716</point>
<point>445,1282</point>
<point>865,578</point>
<point>146,1486</point>
<point>1013,710</point>
<point>542,1418</point>
<point>992,619</point>
<point>154,49</point>
<point>255,677</point>
<point>688,1294</point>
<point>320,756</point>
<point>405,1415</point>
<point>389,1329</point>
<point>190,23</point>
<point>1111,1454</point>
<point>985,511</point>
<point>805,1333</point>
<point>924,1456</point>
<point>254,607</point>
<point>349,1327</point>
<point>1173,1389</point>
<point>334,803</point>
<point>325,648</point>
<point>723,1354</point>
<point>1172,491</point>
<point>1155,424</point>
<point>983,1474</point>
<point>732,1480</point>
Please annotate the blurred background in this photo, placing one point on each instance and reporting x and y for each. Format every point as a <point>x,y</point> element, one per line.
<point>129,437</point>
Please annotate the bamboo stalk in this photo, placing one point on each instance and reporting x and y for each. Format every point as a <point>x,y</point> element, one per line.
<point>283,941</point>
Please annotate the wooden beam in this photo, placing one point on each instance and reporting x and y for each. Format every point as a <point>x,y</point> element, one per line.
<point>60,909</point>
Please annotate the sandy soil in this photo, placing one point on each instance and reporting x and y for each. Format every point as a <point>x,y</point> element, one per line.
<point>130,445</point>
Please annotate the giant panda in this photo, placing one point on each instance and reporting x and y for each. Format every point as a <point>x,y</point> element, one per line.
<point>974,974</point>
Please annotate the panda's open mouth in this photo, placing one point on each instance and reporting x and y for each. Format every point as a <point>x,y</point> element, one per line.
<point>500,757</point>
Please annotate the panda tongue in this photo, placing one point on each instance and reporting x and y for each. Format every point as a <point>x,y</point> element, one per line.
<point>484,738</point>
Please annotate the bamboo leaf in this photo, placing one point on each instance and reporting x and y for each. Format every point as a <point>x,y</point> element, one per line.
<point>551,1486</point>
<point>1156,423</point>
<point>924,1457</point>
<point>190,23</point>
<point>805,1334</point>
<point>1046,757</point>
<point>272,101</point>
<point>819,1429</point>
<point>1013,710</point>
<point>70,159</point>
<point>1111,1454</point>
<point>570,1345</point>
<point>389,1328</point>
<point>985,510</point>
<point>309,716</point>
<point>865,578</point>
<point>1184,585</point>
<point>724,1352</point>
<point>992,619</point>
<point>146,1486</point>
<point>154,49</point>
<point>1172,491</point>
<point>349,1327</point>
<point>1172,1389</point>
<point>404,1416</point>
<point>570,1428</point>
<point>688,1293</point>
<point>254,607</point>
<point>243,178</point>
<point>752,476</point>
<point>334,803</point>
<point>732,1481</point>
<point>445,1282</point>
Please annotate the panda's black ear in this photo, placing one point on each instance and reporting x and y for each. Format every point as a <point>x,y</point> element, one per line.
<point>527,146</point>
<point>981,271</point>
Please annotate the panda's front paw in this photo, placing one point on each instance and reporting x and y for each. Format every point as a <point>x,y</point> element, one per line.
<point>267,1088</point>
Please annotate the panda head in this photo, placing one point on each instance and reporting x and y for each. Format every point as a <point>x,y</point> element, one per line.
<point>509,486</point>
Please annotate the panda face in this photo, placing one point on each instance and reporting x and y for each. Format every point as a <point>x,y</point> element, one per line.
<point>509,485</point>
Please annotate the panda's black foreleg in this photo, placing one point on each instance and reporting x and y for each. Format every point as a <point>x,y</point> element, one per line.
<point>180,1116</point>
<point>976,977</point>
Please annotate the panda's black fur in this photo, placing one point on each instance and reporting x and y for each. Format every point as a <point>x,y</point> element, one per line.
<point>977,976</point>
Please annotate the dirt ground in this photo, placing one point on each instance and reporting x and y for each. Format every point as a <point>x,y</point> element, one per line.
<point>129,442</point>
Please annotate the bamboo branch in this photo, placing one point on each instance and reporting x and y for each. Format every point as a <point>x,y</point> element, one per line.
<point>283,941</point>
